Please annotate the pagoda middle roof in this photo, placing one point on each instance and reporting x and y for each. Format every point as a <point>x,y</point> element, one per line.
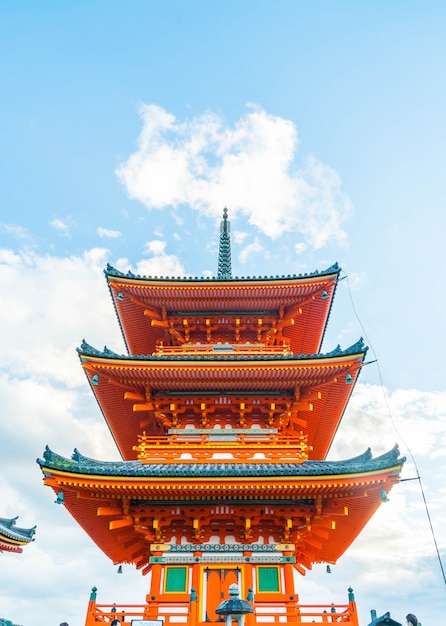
<point>134,295</point>
<point>111,375</point>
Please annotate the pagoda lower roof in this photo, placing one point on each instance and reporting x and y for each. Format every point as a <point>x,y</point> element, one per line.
<point>80,464</point>
<point>311,294</point>
<point>119,503</point>
<point>12,537</point>
<point>111,376</point>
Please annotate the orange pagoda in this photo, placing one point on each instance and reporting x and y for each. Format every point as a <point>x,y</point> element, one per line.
<point>223,410</point>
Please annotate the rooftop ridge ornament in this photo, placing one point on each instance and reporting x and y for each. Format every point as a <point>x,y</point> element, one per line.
<point>224,251</point>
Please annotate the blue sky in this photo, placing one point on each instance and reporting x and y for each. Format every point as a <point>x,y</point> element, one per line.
<point>126,127</point>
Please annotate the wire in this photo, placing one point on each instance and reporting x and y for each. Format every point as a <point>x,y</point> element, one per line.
<point>418,477</point>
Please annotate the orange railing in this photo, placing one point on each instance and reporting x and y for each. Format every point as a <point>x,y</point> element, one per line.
<point>202,446</point>
<point>125,613</point>
<point>233,348</point>
<point>186,613</point>
<point>306,613</point>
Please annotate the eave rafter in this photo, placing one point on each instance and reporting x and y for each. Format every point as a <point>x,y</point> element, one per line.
<point>173,488</point>
<point>6,546</point>
<point>217,373</point>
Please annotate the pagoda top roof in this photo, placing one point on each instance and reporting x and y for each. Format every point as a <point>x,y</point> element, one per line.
<point>111,271</point>
<point>153,309</point>
<point>80,464</point>
<point>8,530</point>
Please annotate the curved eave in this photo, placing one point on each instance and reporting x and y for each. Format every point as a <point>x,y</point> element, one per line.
<point>81,464</point>
<point>15,542</point>
<point>175,488</point>
<point>312,293</point>
<point>112,273</point>
<point>9,547</point>
<point>9,532</point>
<point>110,378</point>
<point>351,497</point>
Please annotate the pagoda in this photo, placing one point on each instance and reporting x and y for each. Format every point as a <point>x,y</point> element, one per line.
<point>223,410</point>
<point>13,538</point>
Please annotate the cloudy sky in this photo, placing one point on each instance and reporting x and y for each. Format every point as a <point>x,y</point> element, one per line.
<point>126,127</point>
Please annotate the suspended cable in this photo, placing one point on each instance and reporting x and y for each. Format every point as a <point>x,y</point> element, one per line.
<point>418,477</point>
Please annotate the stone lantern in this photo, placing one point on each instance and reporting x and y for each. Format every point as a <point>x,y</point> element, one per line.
<point>234,609</point>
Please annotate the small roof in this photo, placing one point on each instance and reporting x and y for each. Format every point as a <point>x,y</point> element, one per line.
<point>383,620</point>
<point>12,537</point>
<point>111,376</point>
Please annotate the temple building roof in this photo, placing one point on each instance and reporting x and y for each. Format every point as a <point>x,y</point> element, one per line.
<point>130,508</point>
<point>80,464</point>
<point>303,390</point>
<point>296,305</point>
<point>333,269</point>
<point>12,538</point>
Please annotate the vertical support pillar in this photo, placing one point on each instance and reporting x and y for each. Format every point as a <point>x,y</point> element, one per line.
<point>352,607</point>
<point>195,584</point>
<point>193,610</point>
<point>248,583</point>
<point>288,570</point>
<point>91,610</point>
<point>290,592</point>
<point>155,590</point>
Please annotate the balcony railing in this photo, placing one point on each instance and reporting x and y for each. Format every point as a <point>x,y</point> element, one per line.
<point>221,348</point>
<point>186,613</point>
<point>238,448</point>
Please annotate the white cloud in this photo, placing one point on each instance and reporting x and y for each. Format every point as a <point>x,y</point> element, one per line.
<point>53,302</point>
<point>300,248</point>
<point>41,323</point>
<point>106,232</point>
<point>61,226</point>
<point>16,231</point>
<point>239,236</point>
<point>417,421</point>
<point>355,278</point>
<point>251,250</point>
<point>160,263</point>
<point>156,246</point>
<point>250,167</point>
<point>397,543</point>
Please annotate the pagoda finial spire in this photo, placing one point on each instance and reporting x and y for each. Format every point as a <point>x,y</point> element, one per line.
<point>224,251</point>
